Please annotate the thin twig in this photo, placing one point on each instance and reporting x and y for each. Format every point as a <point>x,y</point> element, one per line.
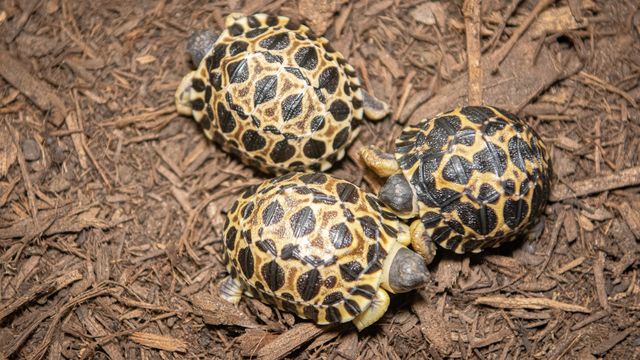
<point>471,10</point>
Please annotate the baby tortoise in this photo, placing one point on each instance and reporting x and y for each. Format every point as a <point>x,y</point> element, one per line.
<point>319,247</point>
<point>270,91</point>
<point>475,177</point>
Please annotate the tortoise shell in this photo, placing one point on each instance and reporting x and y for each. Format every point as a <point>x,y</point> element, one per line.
<point>276,95</point>
<point>310,244</point>
<point>481,176</point>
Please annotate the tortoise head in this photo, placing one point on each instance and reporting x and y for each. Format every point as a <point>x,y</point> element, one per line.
<point>399,195</point>
<point>405,270</point>
<point>198,45</point>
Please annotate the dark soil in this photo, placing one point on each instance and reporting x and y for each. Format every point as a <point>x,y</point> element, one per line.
<point>111,204</point>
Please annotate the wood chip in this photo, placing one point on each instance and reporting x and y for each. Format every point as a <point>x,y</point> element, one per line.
<point>434,327</point>
<point>290,340</point>
<point>622,178</point>
<point>216,311</point>
<point>22,78</point>
<point>632,217</point>
<point>528,303</point>
<point>161,342</point>
<point>614,339</point>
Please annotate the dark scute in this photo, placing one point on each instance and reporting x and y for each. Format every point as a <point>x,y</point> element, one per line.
<point>216,80</point>
<point>255,121</point>
<point>369,227</point>
<point>235,29</point>
<point>352,307</point>
<point>306,57</point>
<point>341,138</point>
<point>246,262</point>
<point>253,21</point>
<point>253,141</point>
<point>289,251</point>
<point>320,197</point>
<point>519,151</point>
<point>197,104</point>
<point>509,187</point>
<point>488,194</point>
<point>266,89</point>
<point>347,91</point>
<point>213,61</point>
<point>333,298</point>
<point>329,79</point>
<point>233,209</point>
<point>347,192</point>
<point>373,202</point>
<point>297,73</point>
<point>282,151</point>
<point>313,178</point>
<point>330,282</point>
<point>524,188</point>
<point>238,71</point>
<point>255,32</point>
<point>441,234</point>
<point>198,85</point>
<point>482,221</point>
<point>272,214</point>
<point>272,58</point>
<point>407,161</point>
<point>366,291</point>
<point>348,215</point>
<point>292,25</point>
<point>465,137</point>
<point>490,159</point>
<point>246,235</point>
<point>373,258</point>
<point>314,149</point>
<point>275,42</point>
<point>477,114</point>
<point>457,170</point>
<point>431,219</point>
<point>493,126</point>
<point>340,110</point>
<point>333,315</point>
<point>230,239</point>
<point>303,222</point>
<point>340,236</point>
<point>351,271</point>
<point>237,47</point>
<point>312,260</point>
<point>273,274</point>
<point>207,94</point>
<point>317,123</point>
<point>272,20</point>
<point>453,242</point>
<point>515,211</point>
<point>225,119</point>
<point>247,210</point>
<point>292,106</point>
<point>267,246</point>
<point>308,284</point>
<point>249,191</point>
<point>455,226</point>
<point>205,123</point>
<point>390,230</point>
<point>311,313</point>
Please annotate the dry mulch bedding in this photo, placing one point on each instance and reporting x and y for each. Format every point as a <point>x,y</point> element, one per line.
<point>111,204</point>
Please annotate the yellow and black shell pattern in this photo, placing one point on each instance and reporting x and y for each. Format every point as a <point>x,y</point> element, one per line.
<point>481,176</point>
<point>310,244</point>
<point>276,95</point>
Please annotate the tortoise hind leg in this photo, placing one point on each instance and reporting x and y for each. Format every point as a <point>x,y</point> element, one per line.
<point>382,163</point>
<point>231,290</point>
<point>374,312</point>
<point>183,95</point>
<point>374,109</point>
<point>421,242</point>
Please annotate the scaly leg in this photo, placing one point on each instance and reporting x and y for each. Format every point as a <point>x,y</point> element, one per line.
<point>231,290</point>
<point>421,242</point>
<point>183,95</point>
<point>374,109</point>
<point>374,312</point>
<point>380,162</point>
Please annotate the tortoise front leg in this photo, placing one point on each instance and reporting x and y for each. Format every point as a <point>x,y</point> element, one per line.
<point>374,312</point>
<point>380,162</point>
<point>374,109</point>
<point>421,242</point>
